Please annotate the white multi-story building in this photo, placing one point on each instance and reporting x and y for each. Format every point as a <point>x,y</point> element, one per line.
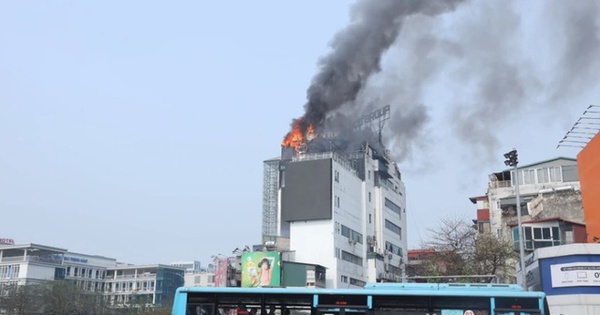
<point>121,284</point>
<point>87,271</point>
<point>341,210</point>
<point>547,189</point>
<point>22,264</point>
<point>155,284</point>
<point>195,275</point>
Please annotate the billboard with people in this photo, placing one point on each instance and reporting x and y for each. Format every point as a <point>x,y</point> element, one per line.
<point>261,269</point>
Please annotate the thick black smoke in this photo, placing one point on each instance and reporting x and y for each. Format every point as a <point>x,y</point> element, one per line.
<point>357,51</point>
<point>495,62</point>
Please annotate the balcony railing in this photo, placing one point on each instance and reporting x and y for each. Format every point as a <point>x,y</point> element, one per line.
<point>44,259</point>
<point>500,184</point>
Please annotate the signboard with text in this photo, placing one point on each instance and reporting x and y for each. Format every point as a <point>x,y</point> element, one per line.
<point>575,274</point>
<point>8,241</point>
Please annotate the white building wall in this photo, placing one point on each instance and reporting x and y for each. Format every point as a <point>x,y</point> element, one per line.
<point>36,272</point>
<point>311,241</point>
<point>349,213</point>
<point>199,279</point>
<point>360,206</point>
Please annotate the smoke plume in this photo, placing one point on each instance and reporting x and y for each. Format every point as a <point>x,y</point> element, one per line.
<point>481,64</point>
<point>357,51</point>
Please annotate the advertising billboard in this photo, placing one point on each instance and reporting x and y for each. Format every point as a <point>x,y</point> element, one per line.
<point>221,271</point>
<point>261,269</point>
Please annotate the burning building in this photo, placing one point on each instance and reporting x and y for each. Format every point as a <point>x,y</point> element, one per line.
<point>336,197</point>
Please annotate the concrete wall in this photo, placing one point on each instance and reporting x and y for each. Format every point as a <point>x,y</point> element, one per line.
<point>565,204</point>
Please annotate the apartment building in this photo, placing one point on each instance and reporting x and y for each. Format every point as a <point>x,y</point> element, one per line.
<point>549,193</point>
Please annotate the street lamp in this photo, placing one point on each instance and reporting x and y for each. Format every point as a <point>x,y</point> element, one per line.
<point>512,160</point>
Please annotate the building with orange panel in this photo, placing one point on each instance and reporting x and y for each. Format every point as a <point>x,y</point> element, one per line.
<point>588,161</point>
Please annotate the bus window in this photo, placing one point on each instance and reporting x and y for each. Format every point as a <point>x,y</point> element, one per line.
<point>200,309</point>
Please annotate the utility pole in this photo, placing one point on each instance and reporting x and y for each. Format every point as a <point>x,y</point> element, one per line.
<point>512,160</point>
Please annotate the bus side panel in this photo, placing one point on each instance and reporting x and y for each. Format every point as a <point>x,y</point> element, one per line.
<point>179,303</point>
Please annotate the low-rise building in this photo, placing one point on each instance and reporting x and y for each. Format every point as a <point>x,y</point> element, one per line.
<point>121,284</point>
<point>568,274</point>
<point>142,284</point>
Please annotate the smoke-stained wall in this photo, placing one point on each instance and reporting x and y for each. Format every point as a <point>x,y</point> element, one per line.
<point>306,191</point>
<point>588,161</point>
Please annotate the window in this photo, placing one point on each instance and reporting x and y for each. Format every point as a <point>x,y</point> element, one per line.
<point>394,228</point>
<point>357,282</point>
<point>9,271</point>
<point>352,234</point>
<point>369,218</point>
<point>344,279</point>
<point>337,201</point>
<point>570,173</point>
<point>392,206</point>
<point>392,248</point>
<point>337,176</point>
<point>555,174</point>
<point>542,175</point>
<point>538,237</point>
<point>357,260</point>
<point>369,196</point>
<point>529,177</point>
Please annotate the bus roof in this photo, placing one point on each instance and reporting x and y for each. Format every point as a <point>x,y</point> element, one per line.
<point>432,289</point>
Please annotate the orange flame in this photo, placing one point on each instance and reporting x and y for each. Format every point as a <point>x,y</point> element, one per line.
<point>296,138</point>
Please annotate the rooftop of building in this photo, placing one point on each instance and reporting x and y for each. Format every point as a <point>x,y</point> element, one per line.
<point>513,224</point>
<point>531,165</point>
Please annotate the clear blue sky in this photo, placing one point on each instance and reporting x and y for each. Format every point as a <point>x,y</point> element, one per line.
<point>137,129</point>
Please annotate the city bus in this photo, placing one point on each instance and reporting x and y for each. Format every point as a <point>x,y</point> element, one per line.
<point>373,299</point>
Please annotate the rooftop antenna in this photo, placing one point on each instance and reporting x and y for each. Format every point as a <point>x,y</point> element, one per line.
<point>584,129</point>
